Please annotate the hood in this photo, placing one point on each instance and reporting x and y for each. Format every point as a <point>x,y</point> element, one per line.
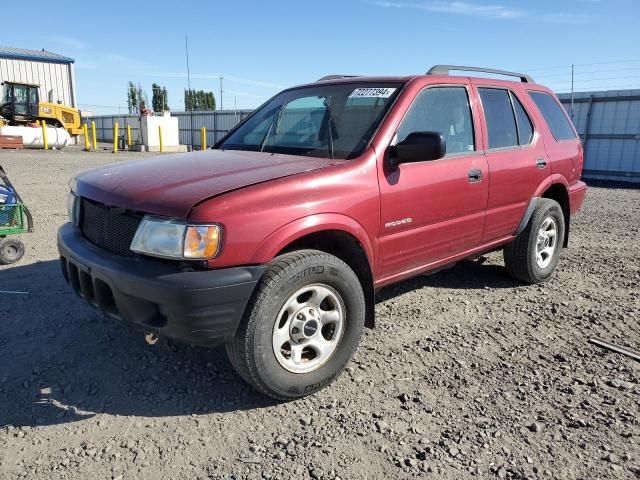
<point>171,185</point>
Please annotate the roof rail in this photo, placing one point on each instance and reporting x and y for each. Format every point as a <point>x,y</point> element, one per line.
<point>444,70</point>
<point>335,77</point>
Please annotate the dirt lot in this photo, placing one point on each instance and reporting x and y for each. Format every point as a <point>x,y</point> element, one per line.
<point>468,374</point>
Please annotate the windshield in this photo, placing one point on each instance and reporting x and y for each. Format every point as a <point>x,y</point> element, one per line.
<point>333,121</point>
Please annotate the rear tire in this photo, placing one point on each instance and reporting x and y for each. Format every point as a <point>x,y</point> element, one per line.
<point>301,326</point>
<point>11,250</point>
<point>534,254</point>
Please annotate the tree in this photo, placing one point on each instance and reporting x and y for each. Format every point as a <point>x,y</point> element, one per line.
<point>199,100</point>
<point>211,101</point>
<point>187,100</point>
<point>143,99</point>
<point>165,99</point>
<point>156,100</point>
<point>160,99</point>
<point>132,98</point>
<point>136,98</point>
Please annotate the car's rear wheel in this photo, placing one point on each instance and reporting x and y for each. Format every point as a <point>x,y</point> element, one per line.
<point>533,256</point>
<point>301,326</point>
<point>11,250</point>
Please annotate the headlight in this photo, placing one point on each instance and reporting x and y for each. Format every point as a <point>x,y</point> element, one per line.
<point>167,238</point>
<point>73,208</point>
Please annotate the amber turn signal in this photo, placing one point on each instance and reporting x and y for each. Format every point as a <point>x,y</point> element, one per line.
<point>201,241</point>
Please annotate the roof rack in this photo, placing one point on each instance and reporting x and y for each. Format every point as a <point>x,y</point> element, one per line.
<point>444,70</point>
<point>335,77</point>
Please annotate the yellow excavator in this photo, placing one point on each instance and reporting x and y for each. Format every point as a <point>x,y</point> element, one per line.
<point>21,106</point>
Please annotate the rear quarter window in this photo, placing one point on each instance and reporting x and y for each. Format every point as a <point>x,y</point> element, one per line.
<point>554,115</point>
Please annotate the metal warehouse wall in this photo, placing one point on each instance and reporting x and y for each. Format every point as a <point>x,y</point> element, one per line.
<point>218,123</point>
<point>57,77</point>
<point>609,125</point>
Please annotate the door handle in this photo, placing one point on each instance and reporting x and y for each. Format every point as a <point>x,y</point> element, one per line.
<point>474,175</point>
<point>541,162</point>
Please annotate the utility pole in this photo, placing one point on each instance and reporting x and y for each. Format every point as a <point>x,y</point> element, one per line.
<point>221,78</point>
<point>186,48</point>
<point>572,91</point>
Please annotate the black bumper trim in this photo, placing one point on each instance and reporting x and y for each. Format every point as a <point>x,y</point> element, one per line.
<point>197,307</point>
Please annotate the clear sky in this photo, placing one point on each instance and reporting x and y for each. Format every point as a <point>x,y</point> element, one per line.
<point>260,47</point>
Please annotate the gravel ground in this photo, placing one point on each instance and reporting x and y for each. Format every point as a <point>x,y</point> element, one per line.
<point>468,374</point>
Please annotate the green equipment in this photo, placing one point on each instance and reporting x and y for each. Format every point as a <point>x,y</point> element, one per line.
<point>15,218</point>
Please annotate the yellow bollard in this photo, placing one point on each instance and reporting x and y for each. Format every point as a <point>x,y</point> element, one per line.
<point>85,132</point>
<point>115,137</point>
<point>44,135</point>
<point>129,136</point>
<point>203,138</point>
<point>93,135</point>
<point>160,135</point>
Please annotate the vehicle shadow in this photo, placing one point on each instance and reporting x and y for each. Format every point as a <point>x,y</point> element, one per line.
<point>61,361</point>
<point>464,275</point>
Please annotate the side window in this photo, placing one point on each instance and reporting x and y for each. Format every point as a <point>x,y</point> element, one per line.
<point>554,116</point>
<point>525,127</point>
<point>501,122</point>
<point>445,110</point>
<point>33,96</point>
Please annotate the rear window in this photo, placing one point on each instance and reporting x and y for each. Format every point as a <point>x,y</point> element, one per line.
<point>554,115</point>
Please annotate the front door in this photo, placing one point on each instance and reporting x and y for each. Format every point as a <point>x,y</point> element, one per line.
<point>21,100</point>
<point>435,209</point>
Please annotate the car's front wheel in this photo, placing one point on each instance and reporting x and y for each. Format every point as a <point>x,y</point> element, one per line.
<point>301,326</point>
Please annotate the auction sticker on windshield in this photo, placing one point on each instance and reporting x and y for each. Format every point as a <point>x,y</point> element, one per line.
<point>372,93</point>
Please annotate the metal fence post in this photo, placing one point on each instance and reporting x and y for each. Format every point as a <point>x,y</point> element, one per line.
<point>44,135</point>
<point>115,137</point>
<point>587,129</point>
<point>86,137</point>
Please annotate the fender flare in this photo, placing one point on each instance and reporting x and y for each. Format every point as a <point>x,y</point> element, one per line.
<point>548,182</point>
<point>304,226</point>
<point>527,216</point>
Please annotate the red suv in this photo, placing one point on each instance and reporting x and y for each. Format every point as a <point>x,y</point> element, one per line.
<point>275,241</point>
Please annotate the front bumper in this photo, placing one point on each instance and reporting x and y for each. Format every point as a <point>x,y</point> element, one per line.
<point>196,307</point>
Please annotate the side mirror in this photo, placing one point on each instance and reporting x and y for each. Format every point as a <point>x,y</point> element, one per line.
<point>417,147</point>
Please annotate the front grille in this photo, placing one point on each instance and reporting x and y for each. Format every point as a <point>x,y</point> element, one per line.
<point>107,227</point>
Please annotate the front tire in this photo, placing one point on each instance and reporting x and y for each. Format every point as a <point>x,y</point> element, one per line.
<point>534,254</point>
<point>301,326</point>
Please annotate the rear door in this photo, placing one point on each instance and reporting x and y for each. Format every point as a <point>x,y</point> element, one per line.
<point>516,158</point>
<point>434,209</point>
